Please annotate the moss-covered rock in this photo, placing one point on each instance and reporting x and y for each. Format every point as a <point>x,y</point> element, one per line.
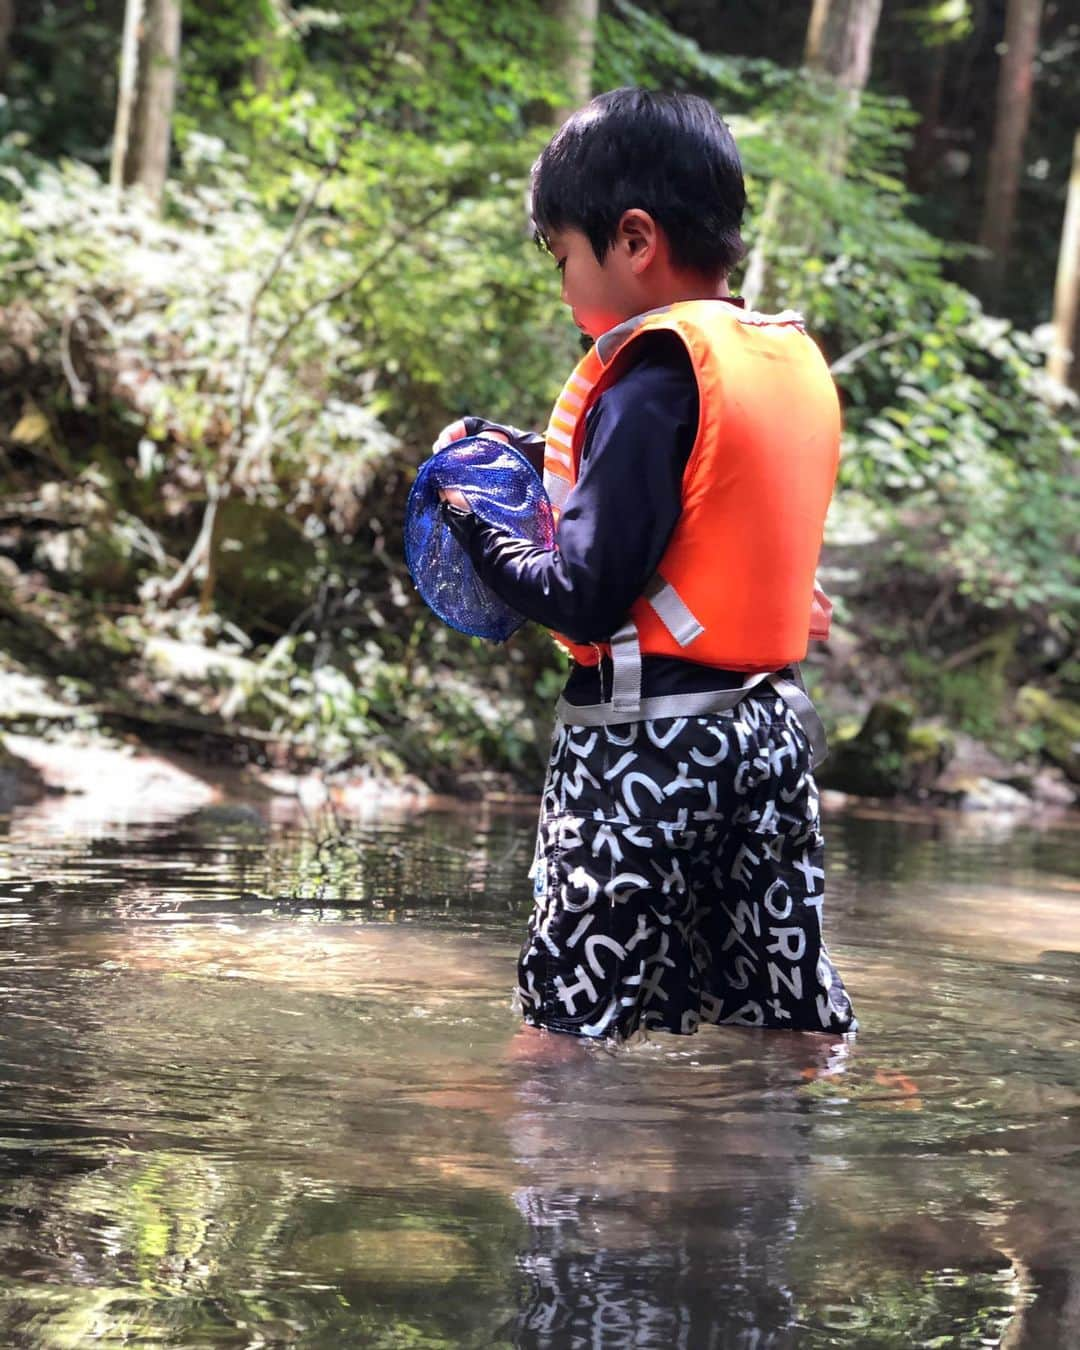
<point>929,749</point>
<point>20,783</point>
<point>888,756</point>
<point>1057,722</point>
<point>265,563</point>
<point>89,559</point>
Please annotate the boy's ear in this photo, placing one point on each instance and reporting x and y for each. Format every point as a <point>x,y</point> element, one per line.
<point>637,236</point>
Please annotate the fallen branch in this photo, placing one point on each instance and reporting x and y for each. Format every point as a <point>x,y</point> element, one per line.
<point>79,388</point>
<point>991,644</point>
<point>192,722</point>
<point>850,359</point>
<point>217,491</point>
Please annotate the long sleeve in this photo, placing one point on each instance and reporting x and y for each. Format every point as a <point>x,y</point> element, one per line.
<point>620,515</point>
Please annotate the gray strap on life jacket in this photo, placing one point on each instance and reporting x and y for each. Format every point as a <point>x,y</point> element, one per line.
<point>607,344</point>
<point>677,618</point>
<point>794,694</point>
<point>626,672</point>
<point>627,705</point>
<point>701,705</point>
<point>672,611</point>
<point>665,705</point>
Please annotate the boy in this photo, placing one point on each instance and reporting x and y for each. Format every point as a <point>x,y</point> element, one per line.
<point>690,459</point>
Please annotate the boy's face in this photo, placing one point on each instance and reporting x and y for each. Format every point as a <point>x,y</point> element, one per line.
<point>600,295</point>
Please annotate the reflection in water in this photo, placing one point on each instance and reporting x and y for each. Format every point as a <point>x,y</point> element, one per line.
<point>263,1087</point>
<point>670,1224</point>
<point>721,1221</point>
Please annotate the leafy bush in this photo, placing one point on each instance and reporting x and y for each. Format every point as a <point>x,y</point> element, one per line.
<point>147,322</point>
<point>345,264</point>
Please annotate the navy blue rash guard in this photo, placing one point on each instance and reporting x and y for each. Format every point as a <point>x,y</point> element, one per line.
<point>614,527</point>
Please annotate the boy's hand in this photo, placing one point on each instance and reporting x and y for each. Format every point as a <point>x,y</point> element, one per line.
<point>480,426</point>
<point>528,443</point>
<point>469,426</point>
<point>458,431</point>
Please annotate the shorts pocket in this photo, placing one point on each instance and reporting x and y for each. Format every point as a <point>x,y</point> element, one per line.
<point>600,878</point>
<point>779,795</point>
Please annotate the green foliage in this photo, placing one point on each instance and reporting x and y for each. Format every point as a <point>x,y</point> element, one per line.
<point>346,264</point>
<point>59,93</point>
<point>345,252</point>
<point>423,705</point>
<point>972,698</point>
<point>148,321</point>
<point>971,448</point>
<point>941,21</point>
<point>954,438</point>
<point>636,47</point>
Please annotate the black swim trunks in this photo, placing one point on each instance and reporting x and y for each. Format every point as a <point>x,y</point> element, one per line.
<point>679,878</point>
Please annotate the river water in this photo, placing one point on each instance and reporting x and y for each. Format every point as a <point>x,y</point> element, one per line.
<point>263,1086</point>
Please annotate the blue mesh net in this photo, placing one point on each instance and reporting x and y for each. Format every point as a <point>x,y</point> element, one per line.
<point>503,489</point>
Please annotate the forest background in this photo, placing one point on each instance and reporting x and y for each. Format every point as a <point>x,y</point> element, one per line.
<point>253,257</point>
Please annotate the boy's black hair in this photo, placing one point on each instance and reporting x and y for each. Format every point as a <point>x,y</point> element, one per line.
<point>671,155</point>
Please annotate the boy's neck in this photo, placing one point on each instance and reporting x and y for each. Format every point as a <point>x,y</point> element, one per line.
<point>688,286</point>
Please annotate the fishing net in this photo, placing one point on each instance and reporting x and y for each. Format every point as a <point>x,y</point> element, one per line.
<point>503,489</point>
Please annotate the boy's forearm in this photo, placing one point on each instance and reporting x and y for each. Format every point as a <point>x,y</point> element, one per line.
<point>617,521</point>
<point>540,583</point>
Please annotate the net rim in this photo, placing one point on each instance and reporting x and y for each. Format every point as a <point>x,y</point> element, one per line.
<point>415,508</point>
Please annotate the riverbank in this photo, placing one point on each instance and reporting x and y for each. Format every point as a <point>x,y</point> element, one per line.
<point>71,764</point>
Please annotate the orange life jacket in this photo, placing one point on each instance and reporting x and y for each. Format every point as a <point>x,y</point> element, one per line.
<point>735,587</point>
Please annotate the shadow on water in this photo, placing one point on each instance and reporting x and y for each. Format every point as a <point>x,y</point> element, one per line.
<point>261,1085</point>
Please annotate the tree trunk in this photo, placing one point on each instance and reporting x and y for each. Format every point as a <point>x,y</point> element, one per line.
<point>578,20</point>
<point>1006,150</point>
<point>1063,364</point>
<point>840,41</point>
<point>268,20</point>
<point>151,56</point>
<point>262,68</point>
<point>924,152</point>
<point>7,23</point>
<point>839,47</point>
<point>125,98</point>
